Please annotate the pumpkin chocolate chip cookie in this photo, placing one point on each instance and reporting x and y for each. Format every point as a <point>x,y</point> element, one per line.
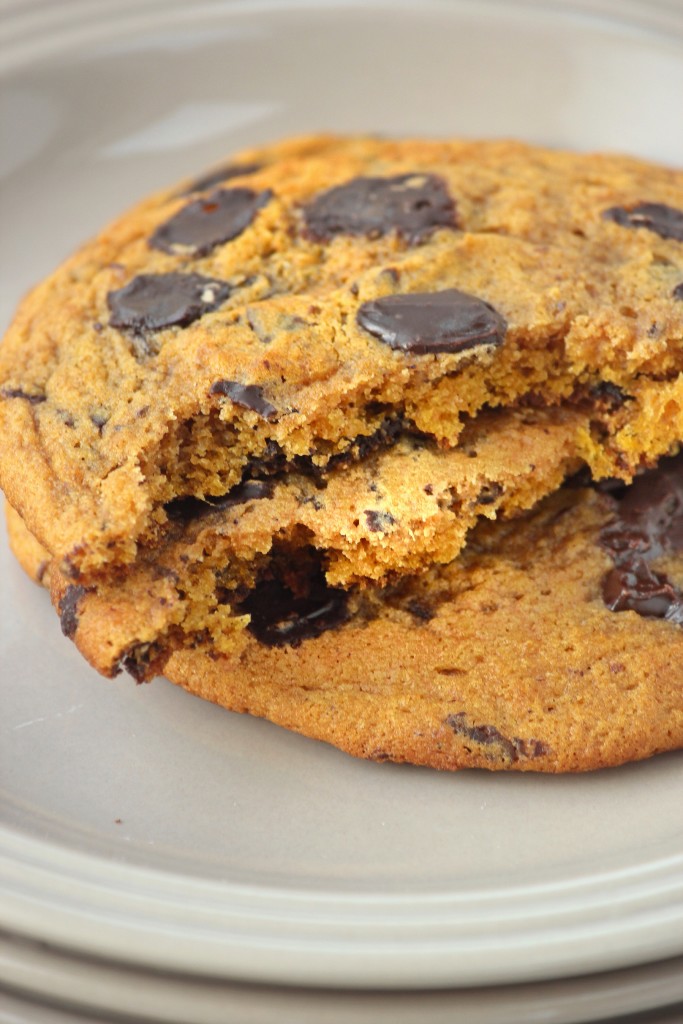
<point>247,431</point>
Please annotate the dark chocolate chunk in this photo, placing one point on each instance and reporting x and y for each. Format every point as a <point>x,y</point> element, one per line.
<point>205,223</point>
<point>261,472</point>
<point>248,396</point>
<point>32,399</point>
<point>665,221</point>
<point>285,612</point>
<point>249,490</point>
<point>68,608</point>
<point>490,493</point>
<point>647,525</point>
<point>487,735</point>
<point>677,293</point>
<point>219,174</point>
<point>386,435</point>
<point>378,522</point>
<point>423,322</point>
<point>152,302</point>
<point>608,392</point>
<point>186,508</point>
<point>99,419</point>
<point>633,585</point>
<point>189,507</point>
<point>414,205</point>
<point>420,610</point>
<point>137,661</point>
<point>272,462</point>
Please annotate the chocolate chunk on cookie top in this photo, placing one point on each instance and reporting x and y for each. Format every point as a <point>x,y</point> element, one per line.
<point>205,223</point>
<point>665,221</point>
<point>151,302</point>
<point>426,322</point>
<point>413,205</point>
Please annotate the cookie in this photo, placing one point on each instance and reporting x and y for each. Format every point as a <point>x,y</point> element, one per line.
<point>310,300</point>
<point>553,643</point>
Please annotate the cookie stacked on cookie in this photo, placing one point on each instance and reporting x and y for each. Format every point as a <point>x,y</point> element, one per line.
<point>282,433</point>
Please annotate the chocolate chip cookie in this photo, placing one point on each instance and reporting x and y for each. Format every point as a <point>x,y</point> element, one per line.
<point>276,432</point>
<point>310,300</point>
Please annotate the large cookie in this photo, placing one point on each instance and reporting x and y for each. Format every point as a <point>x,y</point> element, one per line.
<point>312,296</point>
<point>553,643</point>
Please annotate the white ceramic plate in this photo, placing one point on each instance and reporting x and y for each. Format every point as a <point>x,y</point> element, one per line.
<point>138,823</point>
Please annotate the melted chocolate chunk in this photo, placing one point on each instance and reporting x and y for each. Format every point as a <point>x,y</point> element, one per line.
<point>647,525</point>
<point>152,302</point>
<point>665,221</point>
<point>18,393</point>
<point>187,508</point>
<point>219,174</point>
<point>378,522</point>
<point>413,205</point>
<point>490,493</point>
<point>202,225</point>
<point>420,610</point>
<point>634,586</point>
<point>488,735</point>
<point>248,396</point>
<point>287,612</point>
<point>385,436</point>
<point>610,393</point>
<point>137,660</point>
<point>677,293</point>
<point>423,322</point>
<point>68,609</point>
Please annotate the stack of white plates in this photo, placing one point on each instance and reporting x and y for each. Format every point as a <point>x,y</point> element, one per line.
<point>163,860</point>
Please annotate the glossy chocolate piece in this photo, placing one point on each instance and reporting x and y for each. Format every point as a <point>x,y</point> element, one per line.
<point>210,221</point>
<point>432,322</point>
<point>152,302</point>
<point>247,396</point>
<point>665,221</point>
<point>647,525</point>
<point>413,205</point>
<point>280,616</point>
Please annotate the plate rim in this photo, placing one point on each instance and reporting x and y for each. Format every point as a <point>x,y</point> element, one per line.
<point>38,28</point>
<point>89,904</point>
<point>51,893</point>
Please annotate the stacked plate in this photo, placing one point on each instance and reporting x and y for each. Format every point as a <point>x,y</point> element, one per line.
<point>162,860</point>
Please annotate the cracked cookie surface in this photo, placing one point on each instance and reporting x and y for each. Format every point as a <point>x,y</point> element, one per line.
<point>292,303</point>
<point>553,642</point>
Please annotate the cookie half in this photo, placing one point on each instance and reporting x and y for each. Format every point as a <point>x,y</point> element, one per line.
<point>371,523</point>
<point>296,301</point>
<point>553,643</point>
